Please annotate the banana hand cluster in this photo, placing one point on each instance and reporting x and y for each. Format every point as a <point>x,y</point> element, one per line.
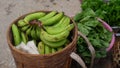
<point>50,30</point>
<point>56,35</point>
<point>44,49</point>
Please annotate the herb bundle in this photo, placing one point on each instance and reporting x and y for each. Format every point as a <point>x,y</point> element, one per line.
<point>108,10</point>
<point>95,32</point>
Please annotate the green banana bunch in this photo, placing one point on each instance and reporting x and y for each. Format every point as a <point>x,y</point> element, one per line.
<point>52,44</point>
<point>44,49</point>
<point>55,38</point>
<point>51,29</point>
<point>34,16</point>
<point>21,23</point>
<point>59,27</point>
<point>53,20</point>
<point>24,37</point>
<point>47,16</point>
<point>41,48</point>
<point>16,35</point>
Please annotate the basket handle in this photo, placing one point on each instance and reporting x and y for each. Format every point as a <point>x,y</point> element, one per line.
<point>77,58</point>
<point>92,51</point>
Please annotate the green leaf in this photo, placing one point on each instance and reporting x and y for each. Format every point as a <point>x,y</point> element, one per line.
<point>108,11</point>
<point>96,43</point>
<point>85,19</point>
<point>88,12</point>
<point>86,53</point>
<point>77,17</point>
<point>109,36</point>
<point>91,23</point>
<point>104,43</point>
<point>101,54</point>
<point>82,28</point>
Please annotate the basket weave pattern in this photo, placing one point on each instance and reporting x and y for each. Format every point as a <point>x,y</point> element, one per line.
<point>116,53</point>
<point>60,59</point>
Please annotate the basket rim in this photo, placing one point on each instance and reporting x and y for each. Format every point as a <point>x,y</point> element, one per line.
<point>51,54</point>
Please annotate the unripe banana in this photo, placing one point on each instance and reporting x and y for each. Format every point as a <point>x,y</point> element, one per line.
<point>28,31</point>
<point>61,22</point>
<point>69,27</point>
<point>59,48</point>
<point>33,16</point>
<point>38,30</point>
<point>53,50</point>
<point>24,28</point>
<point>58,28</point>
<point>53,44</point>
<point>47,16</point>
<point>67,43</point>
<point>41,48</point>
<point>21,23</point>
<point>33,33</point>
<point>16,35</point>
<point>56,37</point>
<point>47,49</point>
<point>24,37</point>
<point>53,19</point>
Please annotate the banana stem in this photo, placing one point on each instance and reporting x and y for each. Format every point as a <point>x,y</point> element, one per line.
<point>36,23</point>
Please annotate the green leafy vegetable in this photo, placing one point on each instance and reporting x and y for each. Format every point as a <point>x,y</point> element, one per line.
<point>109,11</point>
<point>95,32</point>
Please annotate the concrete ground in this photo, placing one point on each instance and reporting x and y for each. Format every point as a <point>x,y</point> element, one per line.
<point>12,9</point>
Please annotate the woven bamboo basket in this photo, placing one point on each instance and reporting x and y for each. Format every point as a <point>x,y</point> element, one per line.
<point>60,59</point>
<point>116,53</point>
<point>116,49</point>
